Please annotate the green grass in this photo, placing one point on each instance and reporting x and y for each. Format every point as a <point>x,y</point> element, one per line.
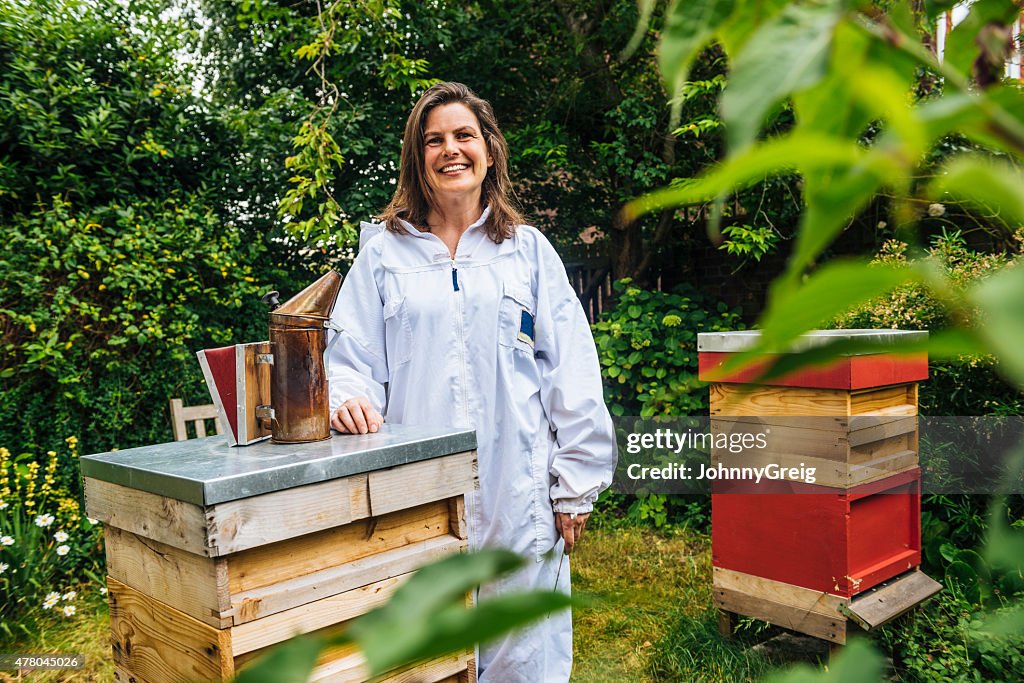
<point>87,634</point>
<point>638,582</point>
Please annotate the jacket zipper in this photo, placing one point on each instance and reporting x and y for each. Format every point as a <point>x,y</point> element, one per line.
<point>462,343</point>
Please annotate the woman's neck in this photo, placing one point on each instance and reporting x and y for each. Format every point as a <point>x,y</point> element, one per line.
<point>454,215</point>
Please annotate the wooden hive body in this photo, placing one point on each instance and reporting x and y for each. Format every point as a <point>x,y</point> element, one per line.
<point>197,591</point>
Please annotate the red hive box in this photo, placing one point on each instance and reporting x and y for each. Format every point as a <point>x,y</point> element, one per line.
<point>796,553</point>
<point>840,542</point>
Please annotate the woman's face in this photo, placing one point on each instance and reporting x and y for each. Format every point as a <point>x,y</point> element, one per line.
<point>455,153</point>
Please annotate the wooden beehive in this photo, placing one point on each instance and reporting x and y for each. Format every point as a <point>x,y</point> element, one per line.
<point>810,556</point>
<point>216,554</point>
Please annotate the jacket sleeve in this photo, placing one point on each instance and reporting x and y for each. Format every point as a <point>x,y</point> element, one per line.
<point>356,361</point>
<point>571,391</point>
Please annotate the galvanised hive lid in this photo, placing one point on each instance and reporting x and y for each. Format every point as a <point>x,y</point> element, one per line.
<point>734,342</point>
<point>209,471</point>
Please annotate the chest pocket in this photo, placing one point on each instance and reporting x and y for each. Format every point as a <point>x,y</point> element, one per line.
<point>518,328</point>
<point>398,333</point>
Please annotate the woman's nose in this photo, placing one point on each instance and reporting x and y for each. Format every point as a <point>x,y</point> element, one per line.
<point>449,146</point>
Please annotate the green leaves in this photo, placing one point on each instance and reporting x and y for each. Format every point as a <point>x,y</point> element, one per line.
<point>836,287</point>
<point>993,186</point>
<point>788,54</point>
<point>1001,299</point>
<point>689,27</point>
<point>290,662</point>
<point>804,151</point>
<point>856,663</point>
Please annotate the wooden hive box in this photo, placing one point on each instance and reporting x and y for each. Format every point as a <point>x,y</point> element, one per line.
<point>215,554</point>
<point>854,421</point>
<point>796,553</point>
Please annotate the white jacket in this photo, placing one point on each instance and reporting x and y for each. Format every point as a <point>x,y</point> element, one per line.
<point>494,340</point>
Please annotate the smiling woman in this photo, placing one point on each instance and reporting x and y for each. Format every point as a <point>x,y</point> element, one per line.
<point>468,317</point>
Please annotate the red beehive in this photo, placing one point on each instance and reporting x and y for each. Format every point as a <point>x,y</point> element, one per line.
<point>799,554</point>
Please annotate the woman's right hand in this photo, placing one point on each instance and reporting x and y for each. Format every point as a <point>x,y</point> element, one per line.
<point>357,416</point>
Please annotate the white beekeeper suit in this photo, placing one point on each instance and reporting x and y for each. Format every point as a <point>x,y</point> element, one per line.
<point>494,340</point>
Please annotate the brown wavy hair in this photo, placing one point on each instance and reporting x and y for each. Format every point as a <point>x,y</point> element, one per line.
<point>413,197</point>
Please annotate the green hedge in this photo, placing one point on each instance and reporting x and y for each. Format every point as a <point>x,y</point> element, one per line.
<point>103,311</point>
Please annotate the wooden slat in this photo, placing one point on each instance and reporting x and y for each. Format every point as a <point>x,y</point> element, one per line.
<point>882,604</point>
<point>261,602</point>
<point>351,666</point>
<point>161,571</point>
<point>823,423</point>
<point>421,482</point>
<point>433,671</point>
<point>741,400</point>
<point>901,461</point>
<point>871,401</point>
<point>877,451</point>
<point>159,643</point>
<point>832,473</point>
<point>811,623</point>
<point>797,597</point>
<point>829,445</point>
<point>312,616</point>
<point>285,560</point>
<point>457,517</point>
<point>178,420</point>
<point>238,525</point>
<point>881,428</point>
<point>170,521</point>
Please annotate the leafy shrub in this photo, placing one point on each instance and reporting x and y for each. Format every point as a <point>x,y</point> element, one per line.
<point>103,311</point>
<point>947,639</point>
<point>967,386</point>
<point>47,549</point>
<point>647,345</point>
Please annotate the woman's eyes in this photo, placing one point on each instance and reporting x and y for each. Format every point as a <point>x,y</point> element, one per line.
<point>458,136</point>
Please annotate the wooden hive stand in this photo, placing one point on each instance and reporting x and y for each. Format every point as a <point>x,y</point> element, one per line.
<point>815,557</point>
<point>215,554</point>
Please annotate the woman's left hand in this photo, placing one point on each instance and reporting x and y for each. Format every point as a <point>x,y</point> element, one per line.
<point>570,526</point>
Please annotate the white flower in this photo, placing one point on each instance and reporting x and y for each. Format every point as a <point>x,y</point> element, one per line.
<point>63,550</point>
<point>936,210</point>
<point>69,610</point>
<point>70,595</point>
<point>6,540</point>
<point>92,521</point>
<point>3,505</point>
<point>51,600</point>
<point>103,590</point>
<point>3,567</point>
<point>60,537</point>
<point>44,520</point>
